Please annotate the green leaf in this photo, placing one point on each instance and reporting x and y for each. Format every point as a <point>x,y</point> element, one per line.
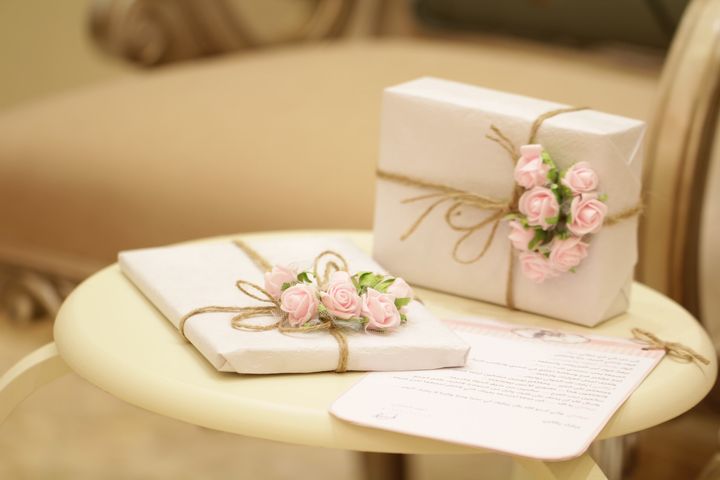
<point>285,286</point>
<point>546,158</point>
<point>557,191</point>
<point>322,308</point>
<point>603,197</point>
<point>552,220</point>
<point>403,318</point>
<point>369,279</point>
<point>304,277</point>
<point>553,175</point>
<point>401,302</point>
<point>361,276</point>
<point>567,193</point>
<point>537,239</point>
<point>573,270</point>
<point>384,284</point>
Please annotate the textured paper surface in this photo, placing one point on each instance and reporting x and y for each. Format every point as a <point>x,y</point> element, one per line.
<point>179,279</point>
<point>435,130</point>
<point>524,391</point>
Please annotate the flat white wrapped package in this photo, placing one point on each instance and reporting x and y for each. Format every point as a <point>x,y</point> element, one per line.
<point>436,130</point>
<point>179,279</point>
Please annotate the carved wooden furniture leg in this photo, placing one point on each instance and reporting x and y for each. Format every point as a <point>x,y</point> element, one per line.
<point>581,468</point>
<point>32,372</point>
<point>383,466</point>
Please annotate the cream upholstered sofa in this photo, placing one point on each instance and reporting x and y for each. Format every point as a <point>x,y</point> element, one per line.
<point>267,140</point>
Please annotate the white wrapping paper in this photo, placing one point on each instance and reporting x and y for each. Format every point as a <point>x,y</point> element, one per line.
<point>179,279</point>
<point>436,130</point>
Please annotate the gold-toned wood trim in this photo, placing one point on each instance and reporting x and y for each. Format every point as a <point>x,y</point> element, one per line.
<point>651,261</point>
<point>683,275</point>
<point>678,147</point>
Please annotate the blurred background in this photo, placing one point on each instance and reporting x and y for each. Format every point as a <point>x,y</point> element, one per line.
<point>130,123</point>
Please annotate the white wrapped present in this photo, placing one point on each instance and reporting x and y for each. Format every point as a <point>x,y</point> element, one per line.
<point>451,172</point>
<point>181,279</point>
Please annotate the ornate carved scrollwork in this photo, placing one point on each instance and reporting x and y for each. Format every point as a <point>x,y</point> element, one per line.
<point>154,32</point>
<point>26,295</point>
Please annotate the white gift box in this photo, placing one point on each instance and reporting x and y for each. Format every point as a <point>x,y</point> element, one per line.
<point>180,279</point>
<point>435,130</point>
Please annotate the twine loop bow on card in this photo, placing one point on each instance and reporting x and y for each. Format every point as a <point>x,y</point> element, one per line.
<point>334,262</point>
<point>672,349</point>
<point>457,199</point>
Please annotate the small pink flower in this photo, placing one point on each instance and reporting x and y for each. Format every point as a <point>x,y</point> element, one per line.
<point>400,289</point>
<point>300,302</point>
<point>568,253</point>
<point>341,298</point>
<point>379,310</point>
<point>540,207</point>
<point>520,236</point>
<point>536,267</point>
<point>277,277</point>
<point>530,170</point>
<point>587,214</point>
<point>581,178</point>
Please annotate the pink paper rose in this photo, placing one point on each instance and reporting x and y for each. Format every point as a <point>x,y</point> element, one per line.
<point>530,171</point>
<point>400,289</point>
<point>341,298</point>
<point>277,277</point>
<point>536,267</point>
<point>586,214</point>
<point>520,236</point>
<point>540,207</point>
<point>379,310</point>
<point>300,302</point>
<point>581,178</point>
<point>568,253</point>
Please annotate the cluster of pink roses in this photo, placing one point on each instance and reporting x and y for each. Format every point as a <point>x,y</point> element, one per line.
<point>556,211</point>
<point>373,301</point>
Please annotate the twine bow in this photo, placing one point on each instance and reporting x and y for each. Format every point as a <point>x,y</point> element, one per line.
<point>672,349</point>
<point>335,262</point>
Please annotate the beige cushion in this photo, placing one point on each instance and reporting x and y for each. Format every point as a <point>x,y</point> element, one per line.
<point>269,140</point>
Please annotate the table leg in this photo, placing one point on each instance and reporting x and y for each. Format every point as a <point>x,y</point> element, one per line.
<point>384,466</point>
<point>581,468</point>
<point>32,372</point>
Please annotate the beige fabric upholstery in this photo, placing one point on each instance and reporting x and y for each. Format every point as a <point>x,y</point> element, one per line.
<point>285,139</point>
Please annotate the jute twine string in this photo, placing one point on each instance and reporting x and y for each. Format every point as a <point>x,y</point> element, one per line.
<point>330,267</point>
<point>672,349</point>
<point>335,262</point>
<point>499,208</point>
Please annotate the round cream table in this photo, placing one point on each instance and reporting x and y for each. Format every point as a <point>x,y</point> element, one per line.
<point>109,334</point>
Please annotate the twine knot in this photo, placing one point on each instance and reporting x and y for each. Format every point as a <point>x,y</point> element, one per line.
<point>335,262</point>
<point>673,349</point>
